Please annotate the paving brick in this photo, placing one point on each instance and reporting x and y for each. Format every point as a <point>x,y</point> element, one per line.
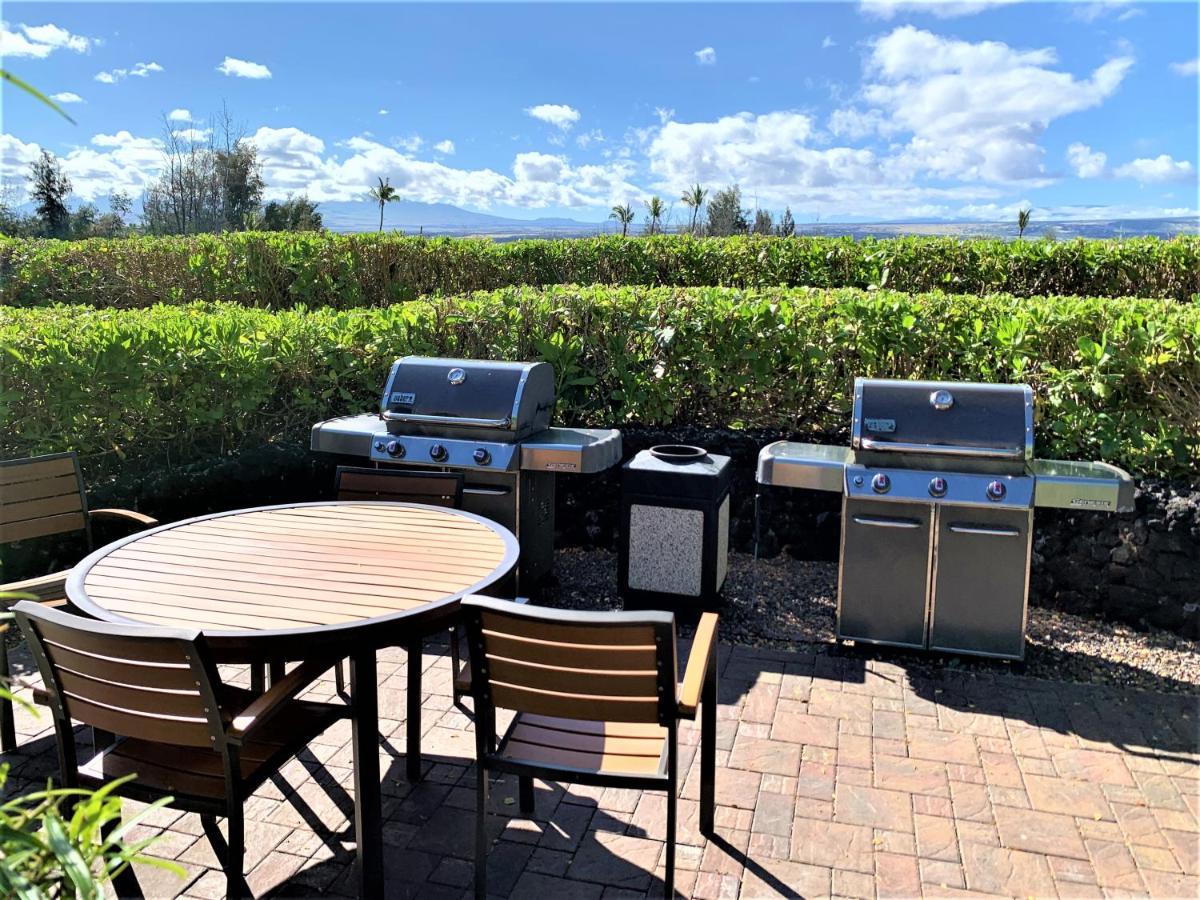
<point>773,814</point>
<point>998,870</point>
<point>1073,798</point>
<point>970,802</point>
<point>793,723</point>
<point>1115,866</point>
<point>784,878</point>
<point>941,873</point>
<point>916,776</point>
<point>615,859</point>
<point>943,746</point>
<point>758,755</point>
<point>858,805</point>
<point>896,875</point>
<point>1040,832</point>
<point>1092,766</point>
<point>936,838</point>
<point>832,844</point>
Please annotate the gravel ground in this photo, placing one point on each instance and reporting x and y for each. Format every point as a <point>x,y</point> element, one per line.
<point>779,603</point>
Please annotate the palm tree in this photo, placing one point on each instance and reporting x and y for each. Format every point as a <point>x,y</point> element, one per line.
<point>655,209</point>
<point>694,197</point>
<point>1022,221</point>
<point>624,215</point>
<point>385,193</point>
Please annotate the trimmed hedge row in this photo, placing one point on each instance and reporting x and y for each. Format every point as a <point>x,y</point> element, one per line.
<point>145,389</point>
<point>275,271</point>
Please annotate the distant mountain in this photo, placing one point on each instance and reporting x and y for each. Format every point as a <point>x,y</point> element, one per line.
<point>439,218</point>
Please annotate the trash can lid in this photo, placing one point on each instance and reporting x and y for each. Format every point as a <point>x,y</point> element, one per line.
<point>678,471</point>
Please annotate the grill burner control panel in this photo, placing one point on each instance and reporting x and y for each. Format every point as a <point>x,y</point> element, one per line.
<point>439,451</point>
<point>1005,491</point>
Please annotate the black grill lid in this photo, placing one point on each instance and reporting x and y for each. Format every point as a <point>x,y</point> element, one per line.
<point>428,395</point>
<point>943,418</point>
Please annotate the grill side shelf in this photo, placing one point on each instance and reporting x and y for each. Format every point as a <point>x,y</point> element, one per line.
<point>573,450</point>
<point>1064,484</point>
<point>816,467</point>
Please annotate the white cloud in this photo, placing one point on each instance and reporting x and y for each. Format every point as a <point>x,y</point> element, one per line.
<point>975,111</point>
<point>39,41</point>
<point>706,56</point>
<point>192,135</point>
<point>180,115</point>
<point>383,112</point>
<point>66,97</point>
<point>664,114</point>
<point>15,158</point>
<point>828,42</point>
<point>138,70</point>
<point>1085,162</point>
<point>446,147</point>
<point>855,123</point>
<point>296,162</point>
<point>241,68</point>
<point>410,144</point>
<point>1161,168</point>
<point>941,9</point>
<point>585,140</point>
<point>559,115</point>
<point>1187,67</point>
<point>1090,12</point>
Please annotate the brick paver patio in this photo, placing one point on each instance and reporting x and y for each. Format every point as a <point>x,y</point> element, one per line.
<point>838,775</point>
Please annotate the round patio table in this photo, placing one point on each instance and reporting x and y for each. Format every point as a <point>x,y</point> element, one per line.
<point>288,582</point>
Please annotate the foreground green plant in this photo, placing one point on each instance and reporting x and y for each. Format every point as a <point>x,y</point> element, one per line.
<point>143,390</point>
<point>276,271</point>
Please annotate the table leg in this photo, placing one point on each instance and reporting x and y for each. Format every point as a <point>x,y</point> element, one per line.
<point>368,801</point>
<point>413,744</point>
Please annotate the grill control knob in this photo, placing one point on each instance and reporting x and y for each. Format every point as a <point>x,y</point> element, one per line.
<point>996,490</point>
<point>881,484</point>
<point>438,453</point>
<point>379,445</point>
<point>395,449</point>
<point>937,486</point>
<point>481,457</point>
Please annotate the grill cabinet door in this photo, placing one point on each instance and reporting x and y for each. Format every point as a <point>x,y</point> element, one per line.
<point>884,582</point>
<point>981,580</point>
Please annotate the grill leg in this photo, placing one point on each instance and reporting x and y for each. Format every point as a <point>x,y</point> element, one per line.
<point>413,752</point>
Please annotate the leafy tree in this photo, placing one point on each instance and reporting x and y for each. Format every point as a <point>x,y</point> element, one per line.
<point>49,191</point>
<point>693,197</point>
<point>293,214</point>
<point>763,223</point>
<point>654,215</point>
<point>383,194</point>
<point>120,204</point>
<point>725,214</point>
<point>1023,221</point>
<point>624,215</point>
<point>241,184</point>
<point>787,225</point>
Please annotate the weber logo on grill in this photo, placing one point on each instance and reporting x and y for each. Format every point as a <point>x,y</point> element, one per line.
<point>402,398</point>
<point>880,426</point>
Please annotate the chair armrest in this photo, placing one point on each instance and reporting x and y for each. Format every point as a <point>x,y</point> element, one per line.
<point>124,515</point>
<point>262,709</point>
<point>42,588</point>
<point>700,659</point>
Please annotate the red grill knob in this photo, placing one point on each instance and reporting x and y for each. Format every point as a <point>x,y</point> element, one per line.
<point>996,490</point>
<point>937,486</point>
<point>880,483</point>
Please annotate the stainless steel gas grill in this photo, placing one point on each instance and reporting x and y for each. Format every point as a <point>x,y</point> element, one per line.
<point>488,420</point>
<point>939,485</point>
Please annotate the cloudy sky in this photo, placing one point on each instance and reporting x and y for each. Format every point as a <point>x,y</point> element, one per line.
<point>884,110</point>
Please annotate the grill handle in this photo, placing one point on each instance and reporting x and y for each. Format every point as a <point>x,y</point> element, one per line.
<point>449,421</point>
<point>883,522</point>
<point>990,530</point>
<point>943,449</point>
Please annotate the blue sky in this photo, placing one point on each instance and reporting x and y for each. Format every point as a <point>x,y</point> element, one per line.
<point>882,110</point>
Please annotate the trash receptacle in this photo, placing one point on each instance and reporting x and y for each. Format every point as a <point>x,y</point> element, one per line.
<point>674,549</point>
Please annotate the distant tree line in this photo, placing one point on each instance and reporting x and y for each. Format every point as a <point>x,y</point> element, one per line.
<point>720,216</point>
<point>206,186</point>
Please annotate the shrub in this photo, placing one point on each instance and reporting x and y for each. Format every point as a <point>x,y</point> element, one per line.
<point>1116,379</point>
<point>276,271</point>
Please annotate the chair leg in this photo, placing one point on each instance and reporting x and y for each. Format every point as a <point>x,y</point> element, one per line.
<point>525,783</point>
<point>258,678</point>
<point>126,884</point>
<point>708,751</point>
<point>339,678</point>
<point>8,725</point>
<point>277,671</point>
<point>455,663</point>
<point>235,880</point>
<point>672,815</point>
<point>481,841</point>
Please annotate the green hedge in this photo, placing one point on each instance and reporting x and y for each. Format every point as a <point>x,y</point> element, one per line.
<point>275,271</point>
<point>143,389</point>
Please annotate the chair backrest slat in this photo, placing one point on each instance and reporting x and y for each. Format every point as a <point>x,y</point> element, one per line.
<point>41,496</point>
<point>139,682</point>
<point>399,485</point>
<point>617,667</point>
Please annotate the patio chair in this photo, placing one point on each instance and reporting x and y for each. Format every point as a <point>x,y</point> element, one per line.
<point>40,497</point>
<point>175,726</point>
<point>596,700</point>
<point>400,486</point>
